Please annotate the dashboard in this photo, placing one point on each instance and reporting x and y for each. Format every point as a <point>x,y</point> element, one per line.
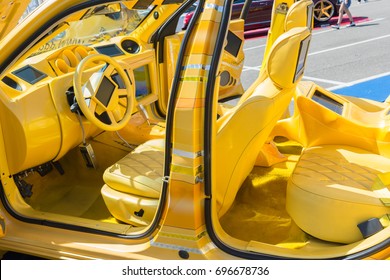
<point>64,61</point>
<point>43,83</point>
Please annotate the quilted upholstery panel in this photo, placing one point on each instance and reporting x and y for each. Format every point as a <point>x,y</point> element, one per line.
<point>338,172</point>
<point>140,172</point>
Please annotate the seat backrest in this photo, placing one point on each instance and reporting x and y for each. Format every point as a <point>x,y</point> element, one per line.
<point>300,14</point>
<point>243,130</point>
<point>294,14</point>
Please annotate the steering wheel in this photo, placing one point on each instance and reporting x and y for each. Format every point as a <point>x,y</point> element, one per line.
<point>100,98</point>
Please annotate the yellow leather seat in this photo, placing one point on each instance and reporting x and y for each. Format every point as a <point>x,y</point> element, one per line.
<point>294,14</point>
<point>329,192</point>
<point>243,130</point>
<point>133,184</point>
<point>293,19</point>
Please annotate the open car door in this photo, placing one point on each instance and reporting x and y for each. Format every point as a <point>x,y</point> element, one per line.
<point>10,13</point>
<point>169,40</point>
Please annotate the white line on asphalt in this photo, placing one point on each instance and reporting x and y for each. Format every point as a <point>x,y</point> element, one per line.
<point>340,84</point>
<point>252,48</point>
<point>317,33</point>
<point>359,81</point>
<point>337,84</point>
<point>254,68</point>
<point>350,45</point>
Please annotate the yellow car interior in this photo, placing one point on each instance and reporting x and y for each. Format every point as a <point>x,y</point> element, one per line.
<point>301,184</point>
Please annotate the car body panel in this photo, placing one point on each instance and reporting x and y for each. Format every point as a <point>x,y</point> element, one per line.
<point>259,15</point>
<point>10,13</point>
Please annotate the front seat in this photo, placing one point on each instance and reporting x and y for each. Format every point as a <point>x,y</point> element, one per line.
<point>331,191</point>
<point>300,14</point>
<point>243,130</point>
<point>133,184</point>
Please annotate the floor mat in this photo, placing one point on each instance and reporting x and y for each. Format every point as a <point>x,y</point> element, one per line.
<point>76,193</point>
<point>259,211</point>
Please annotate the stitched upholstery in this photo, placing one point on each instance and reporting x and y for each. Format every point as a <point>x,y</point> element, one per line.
<point>139,172</point>
<point>329,192</point>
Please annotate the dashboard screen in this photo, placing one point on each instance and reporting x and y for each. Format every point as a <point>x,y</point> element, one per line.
<point>328,102</point>
<point>233,44</point>
<point>302,58</point>
<point>142,81</point>
<point>29,74</point>
<point>310,10</point>
<point>105,91</point>
<point>110,50</point>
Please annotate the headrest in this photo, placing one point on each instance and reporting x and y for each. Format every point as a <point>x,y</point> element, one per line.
<point>300,14</point>
<point>287,57</point>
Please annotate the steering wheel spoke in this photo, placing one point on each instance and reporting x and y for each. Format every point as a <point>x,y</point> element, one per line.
<point>95,107</point>
<point>88,90</point>
<point>122,93</point>
<point>108,70</point>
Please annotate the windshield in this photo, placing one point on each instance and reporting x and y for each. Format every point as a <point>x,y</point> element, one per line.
<point>97,25</point>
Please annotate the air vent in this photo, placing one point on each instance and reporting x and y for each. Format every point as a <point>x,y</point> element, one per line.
<point>11,83</point>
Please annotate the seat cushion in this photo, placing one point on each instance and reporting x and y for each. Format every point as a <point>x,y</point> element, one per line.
<point>128,208</point>
<point>329,192</point>
<point>140,172</point>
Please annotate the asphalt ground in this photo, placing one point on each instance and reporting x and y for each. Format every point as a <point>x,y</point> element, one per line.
<point>352,61</point>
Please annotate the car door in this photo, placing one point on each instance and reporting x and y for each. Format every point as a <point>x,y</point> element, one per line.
<point>12,11</point>
<point>169,43</point>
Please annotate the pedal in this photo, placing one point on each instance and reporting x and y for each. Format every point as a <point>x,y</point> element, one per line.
<point>25,188</point>
<point>44,169</point>
<point>88,155</point>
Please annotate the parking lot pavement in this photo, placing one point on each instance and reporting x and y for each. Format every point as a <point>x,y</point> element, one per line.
<point>376,88</point>
<point>352,61</point>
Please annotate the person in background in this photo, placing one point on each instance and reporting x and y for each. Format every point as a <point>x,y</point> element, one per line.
<point>344,7</point>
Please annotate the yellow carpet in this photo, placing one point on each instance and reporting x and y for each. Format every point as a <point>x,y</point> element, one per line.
<point>77,192</point>
<point>259,211</point>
